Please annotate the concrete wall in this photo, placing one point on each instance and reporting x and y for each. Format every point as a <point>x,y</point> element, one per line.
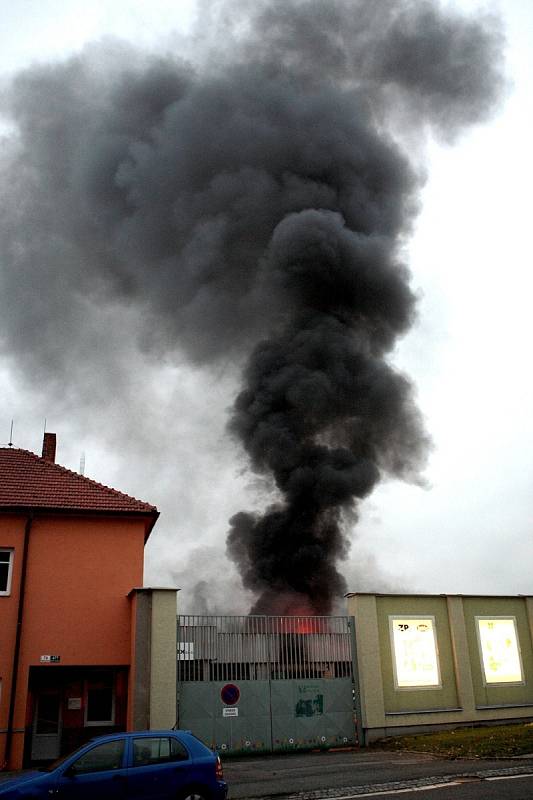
<point>460,694</point>
<point>154,658</point>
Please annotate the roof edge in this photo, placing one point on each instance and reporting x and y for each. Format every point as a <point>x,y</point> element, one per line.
<point>76,512</point>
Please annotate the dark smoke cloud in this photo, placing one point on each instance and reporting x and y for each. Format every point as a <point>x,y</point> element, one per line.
<point>322,411</point>
<point>434,64</point>
<point>252,209</point>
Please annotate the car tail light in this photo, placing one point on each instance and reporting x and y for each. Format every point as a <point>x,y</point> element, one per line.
<point>219,774</point>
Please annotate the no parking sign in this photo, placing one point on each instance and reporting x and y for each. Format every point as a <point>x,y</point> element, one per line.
<point>229,694</point>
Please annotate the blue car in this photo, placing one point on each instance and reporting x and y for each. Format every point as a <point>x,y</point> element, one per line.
<point>145,765</point>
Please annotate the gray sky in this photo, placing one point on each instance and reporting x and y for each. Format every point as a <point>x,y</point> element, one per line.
<point>152,425</point>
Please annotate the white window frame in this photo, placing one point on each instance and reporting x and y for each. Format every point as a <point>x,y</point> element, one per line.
<point>496,684</point>
<point>7,591</point>
<point>99,722</point>
<point>423,687</point>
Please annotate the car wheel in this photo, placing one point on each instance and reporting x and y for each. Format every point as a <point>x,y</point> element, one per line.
<point>194,794</point>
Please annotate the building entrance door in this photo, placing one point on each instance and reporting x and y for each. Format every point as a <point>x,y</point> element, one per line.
<point>46,735</point>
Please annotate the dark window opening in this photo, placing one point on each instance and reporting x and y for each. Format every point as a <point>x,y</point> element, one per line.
<point>100,706</point>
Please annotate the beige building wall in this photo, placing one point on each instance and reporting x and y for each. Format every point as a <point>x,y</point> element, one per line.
<point>163,660</point>
<point>154,663</point>
<point>460,693</point>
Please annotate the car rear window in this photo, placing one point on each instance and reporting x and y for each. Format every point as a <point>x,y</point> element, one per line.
<point>158,750</point>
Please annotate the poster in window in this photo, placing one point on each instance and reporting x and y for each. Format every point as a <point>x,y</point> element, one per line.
<point>500,654</point>
<point>415,656</point>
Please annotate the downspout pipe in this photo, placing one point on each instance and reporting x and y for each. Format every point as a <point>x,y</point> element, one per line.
<point>18,638</point>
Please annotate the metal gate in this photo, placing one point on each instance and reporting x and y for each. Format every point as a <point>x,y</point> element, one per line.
<point>265,684</point>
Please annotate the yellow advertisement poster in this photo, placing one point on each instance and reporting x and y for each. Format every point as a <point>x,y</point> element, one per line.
<point>415,656</point>
<point>500,654</point>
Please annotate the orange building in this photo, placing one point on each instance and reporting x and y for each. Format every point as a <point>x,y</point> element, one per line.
<point>71,551</point>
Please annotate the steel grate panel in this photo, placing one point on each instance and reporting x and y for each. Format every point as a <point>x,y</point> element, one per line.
<point>224,648</point>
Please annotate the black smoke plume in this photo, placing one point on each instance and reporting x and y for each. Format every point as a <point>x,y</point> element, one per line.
<point>251,207</point>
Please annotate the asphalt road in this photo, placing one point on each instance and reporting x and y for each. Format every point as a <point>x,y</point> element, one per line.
<point>378,774</point>
<point>518,788</point>
<point>314,776</point>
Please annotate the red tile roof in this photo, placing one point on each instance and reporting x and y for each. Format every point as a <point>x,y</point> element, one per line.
<point>28,481</point>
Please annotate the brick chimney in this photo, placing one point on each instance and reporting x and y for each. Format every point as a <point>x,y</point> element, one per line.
<point>49,447</point>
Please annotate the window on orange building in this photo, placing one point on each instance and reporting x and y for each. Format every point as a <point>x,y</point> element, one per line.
<point>6,567</point>
<point>100,700</point>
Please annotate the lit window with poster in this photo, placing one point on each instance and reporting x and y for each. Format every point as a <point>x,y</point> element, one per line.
<point>100,700</point>
<point>415,656</point>
<point>6,568</point>
<point>499,650</point>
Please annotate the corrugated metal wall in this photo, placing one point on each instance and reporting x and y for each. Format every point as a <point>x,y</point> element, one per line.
<point>264,683</point>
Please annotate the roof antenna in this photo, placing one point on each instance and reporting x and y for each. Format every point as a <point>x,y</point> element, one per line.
<point>10,443</point>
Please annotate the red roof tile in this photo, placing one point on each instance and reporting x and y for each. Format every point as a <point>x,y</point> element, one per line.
<point>26,480</point>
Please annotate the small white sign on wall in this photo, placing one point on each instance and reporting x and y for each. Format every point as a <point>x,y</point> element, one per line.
<point>74,703</point>
<point>186,651</point>
<point>230,712</point>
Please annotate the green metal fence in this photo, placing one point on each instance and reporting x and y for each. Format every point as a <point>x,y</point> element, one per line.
<point>266,683</point>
